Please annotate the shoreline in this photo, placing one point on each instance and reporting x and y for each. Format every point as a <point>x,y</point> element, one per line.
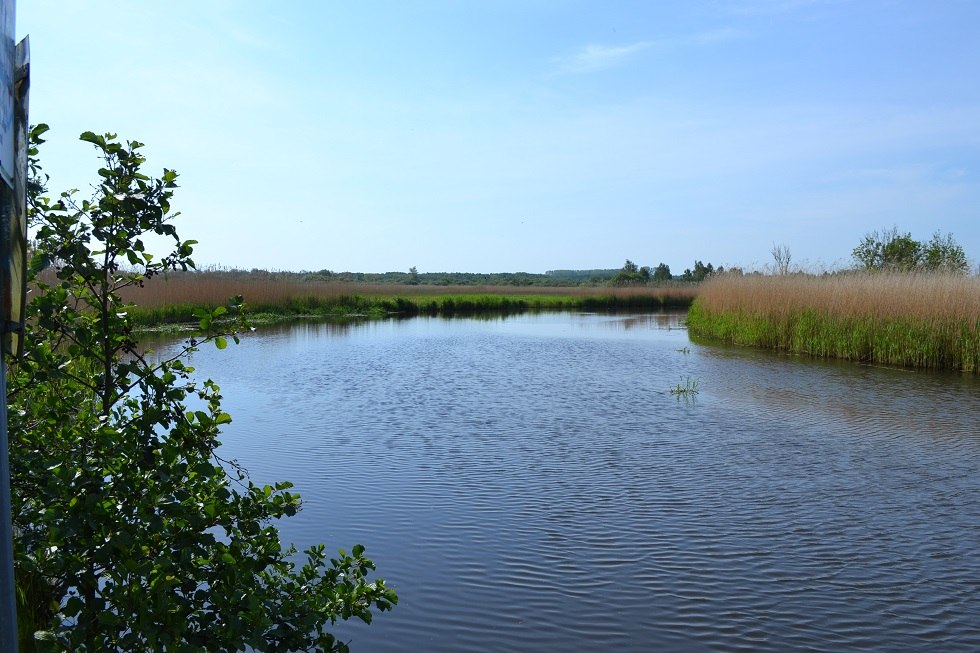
<point>379,306</point>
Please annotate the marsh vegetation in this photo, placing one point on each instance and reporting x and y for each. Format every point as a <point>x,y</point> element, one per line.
<point>173,298</point>
<point>910,320</point>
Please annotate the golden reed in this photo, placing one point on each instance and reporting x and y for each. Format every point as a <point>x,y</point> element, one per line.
<point>261,289</point>
<point>913,320</point>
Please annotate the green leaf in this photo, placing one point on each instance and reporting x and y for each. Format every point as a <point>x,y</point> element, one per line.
<point>220,342</point>
<point>37,130</point>
<point>93,138</point>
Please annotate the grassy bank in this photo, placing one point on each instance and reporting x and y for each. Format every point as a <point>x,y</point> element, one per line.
<point>924,321</point>
<point>173,299</point>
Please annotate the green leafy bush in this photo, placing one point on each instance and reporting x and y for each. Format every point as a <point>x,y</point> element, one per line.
<point>131,532</point>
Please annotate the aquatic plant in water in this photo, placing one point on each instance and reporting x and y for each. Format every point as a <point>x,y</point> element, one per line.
<point>688,388</point>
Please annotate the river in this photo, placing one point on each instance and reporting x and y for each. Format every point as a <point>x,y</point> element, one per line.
<point>529,483</point>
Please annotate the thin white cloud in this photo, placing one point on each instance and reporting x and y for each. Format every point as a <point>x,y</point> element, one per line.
<point>595,57</point>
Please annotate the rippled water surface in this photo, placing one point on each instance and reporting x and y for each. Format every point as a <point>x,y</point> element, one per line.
<point>530,484</point>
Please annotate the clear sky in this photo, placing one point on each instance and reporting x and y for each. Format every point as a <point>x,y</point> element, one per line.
<point>525,135</point>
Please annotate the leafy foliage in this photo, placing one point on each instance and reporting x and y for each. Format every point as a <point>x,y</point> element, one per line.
<point>131,532</point>
<point>943,253</point>
<point>891,250</point>
<point>700,272</point>
<point>631,274</point>
<point>888,250</point>
<point>662,273</point>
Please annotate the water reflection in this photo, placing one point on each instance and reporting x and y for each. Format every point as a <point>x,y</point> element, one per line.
<point>872,399</point>
<point>668,320</point>
<point>528,483</point>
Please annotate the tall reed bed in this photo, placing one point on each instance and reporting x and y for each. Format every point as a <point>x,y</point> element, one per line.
<point>910,320</point>
<point>174,297</point>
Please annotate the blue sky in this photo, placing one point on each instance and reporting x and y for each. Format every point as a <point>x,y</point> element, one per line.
<point>525,135</point>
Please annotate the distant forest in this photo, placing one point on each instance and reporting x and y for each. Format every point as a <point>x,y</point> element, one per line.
<point>629,274</point>
<point>552,278</point>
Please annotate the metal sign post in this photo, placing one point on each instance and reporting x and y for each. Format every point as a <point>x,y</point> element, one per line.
<point>8,596</point>
<point>14,87</point>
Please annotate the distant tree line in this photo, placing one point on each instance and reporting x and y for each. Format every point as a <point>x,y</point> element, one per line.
<point>416,278</point>
<point>631,274</point>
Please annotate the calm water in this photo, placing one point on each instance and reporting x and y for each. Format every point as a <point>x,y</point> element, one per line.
<point>529,484</point>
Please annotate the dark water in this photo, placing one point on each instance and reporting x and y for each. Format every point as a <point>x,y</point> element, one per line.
<point>529,484</point>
